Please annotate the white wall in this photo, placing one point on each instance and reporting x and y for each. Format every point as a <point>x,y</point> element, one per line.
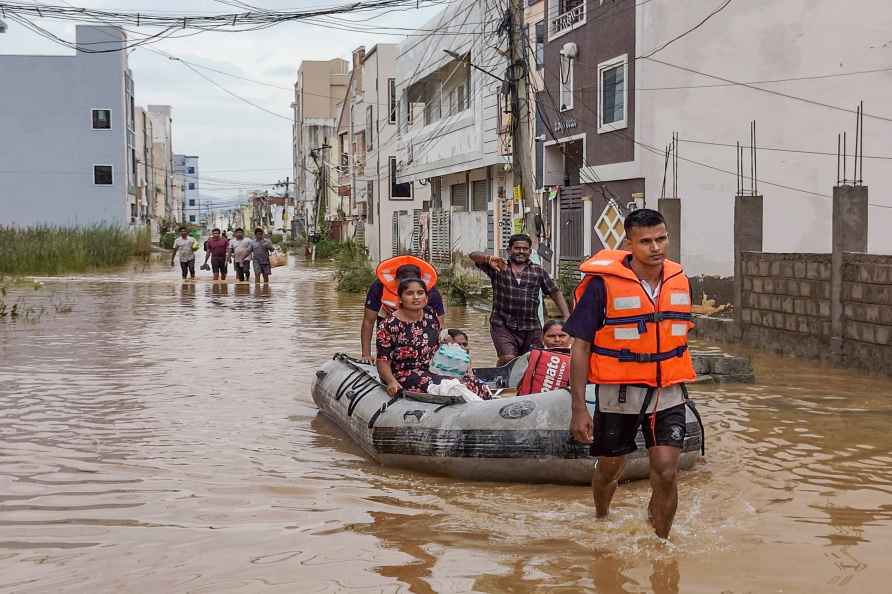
<point>760,40</point>
<point>47,144</point>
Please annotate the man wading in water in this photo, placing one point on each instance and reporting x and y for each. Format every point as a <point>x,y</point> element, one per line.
<point>630,331</point>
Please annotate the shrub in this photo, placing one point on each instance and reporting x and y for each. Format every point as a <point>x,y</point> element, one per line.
<point>167,240</point>
<point>354,271</point>
<point>59,250</point>
<point>276,238</point>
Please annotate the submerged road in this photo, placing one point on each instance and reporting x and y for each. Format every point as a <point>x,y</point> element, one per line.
<point>161,437</point>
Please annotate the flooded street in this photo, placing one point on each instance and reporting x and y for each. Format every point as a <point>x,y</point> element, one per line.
<point>161,437</point>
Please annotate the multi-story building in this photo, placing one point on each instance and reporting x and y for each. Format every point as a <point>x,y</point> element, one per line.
<point>165,207</point>
<point>449,146</point>
<point>145,173</point>
<point>67,138</point>
<point>320,86</point>
<point>616,92</point>
<point>186,169</point>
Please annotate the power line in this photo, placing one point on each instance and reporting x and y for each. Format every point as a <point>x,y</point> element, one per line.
<point>765,82</point>
<point>769,91</point>
<point>688,32</point>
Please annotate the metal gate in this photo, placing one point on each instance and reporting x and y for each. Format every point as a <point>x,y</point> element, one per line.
<point>441,242</point>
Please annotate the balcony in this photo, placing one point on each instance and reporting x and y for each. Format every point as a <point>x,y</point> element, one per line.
<point>571,18</point>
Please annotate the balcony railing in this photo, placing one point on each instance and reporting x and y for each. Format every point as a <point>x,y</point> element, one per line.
<point>567,20</point>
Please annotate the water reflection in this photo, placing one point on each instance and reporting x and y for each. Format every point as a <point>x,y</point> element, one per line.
<point>161,438</point>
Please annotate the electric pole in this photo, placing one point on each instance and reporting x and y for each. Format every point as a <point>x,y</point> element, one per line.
<point>516,75</point>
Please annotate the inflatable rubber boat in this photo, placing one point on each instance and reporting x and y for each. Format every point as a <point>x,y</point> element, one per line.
<point>514,438</point>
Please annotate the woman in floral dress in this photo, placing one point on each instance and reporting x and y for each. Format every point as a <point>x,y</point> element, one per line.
<point>407,341</point>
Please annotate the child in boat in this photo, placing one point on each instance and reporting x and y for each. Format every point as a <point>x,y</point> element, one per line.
<point>407,341</point>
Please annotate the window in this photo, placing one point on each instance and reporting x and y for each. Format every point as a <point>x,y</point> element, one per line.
<point>370,126</point>
<point>398,191</point>
<point>103,175</point>
<point>190,170</point>
<point>391,100</point>
<point>459,196</point>
<point>191,186</point>
<point>370,201</point>
<point>612,94</point>
<point>540,45</point>
<point>480,196</point>
<point>191,202</point>
<point>102,119</point>
<point>191,218</point>
<point>566,73</point>
<point>342,149</point>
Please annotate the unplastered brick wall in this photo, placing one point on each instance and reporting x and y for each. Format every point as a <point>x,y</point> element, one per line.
<point>785,299</point>
<point>867,309</point>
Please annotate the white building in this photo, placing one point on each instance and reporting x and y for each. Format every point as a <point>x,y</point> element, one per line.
<point>67,138</point>
<point>450,122</point>
<point>186,168</point>
<point>165,208</point>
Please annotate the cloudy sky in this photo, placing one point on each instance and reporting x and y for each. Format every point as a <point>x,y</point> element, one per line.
<point>238,144</point>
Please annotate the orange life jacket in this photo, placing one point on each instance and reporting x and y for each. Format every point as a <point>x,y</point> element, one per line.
<point>386,273</point>
<point>641,342</point>
<point>547,371</point>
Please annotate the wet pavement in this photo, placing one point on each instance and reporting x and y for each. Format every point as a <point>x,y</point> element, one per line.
<point>161,437</point>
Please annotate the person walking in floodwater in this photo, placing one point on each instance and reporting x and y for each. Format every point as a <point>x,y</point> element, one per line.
<point>630,330</point>
<point>216,249</point>
<point>240,255</point>
<point>184,248</point>
<point>514,324</point>
<point>260,251</point>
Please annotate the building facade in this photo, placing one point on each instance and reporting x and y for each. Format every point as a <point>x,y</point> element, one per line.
<point>319,87</point>
<point>68,131</point>
<point>186,169</point>
<point>617,93</point>
<point>165,209</point>
<point>451,151</point>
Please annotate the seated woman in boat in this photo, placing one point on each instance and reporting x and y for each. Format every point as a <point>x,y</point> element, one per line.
<point>407,341</point>
<point>554,337</point>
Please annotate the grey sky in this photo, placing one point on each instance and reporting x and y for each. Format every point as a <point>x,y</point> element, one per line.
<point>237,143</point>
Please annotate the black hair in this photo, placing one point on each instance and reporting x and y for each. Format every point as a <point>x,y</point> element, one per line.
<point>519,237</point>
<point>237,229</point>
<point>643,217</point>
<point>455,333</point>
<point>408,271</point>
<point>182,229</point>
<point>550,324</point>
<point>258,229</point>
<point>404,284</point>
<point>215,229</point>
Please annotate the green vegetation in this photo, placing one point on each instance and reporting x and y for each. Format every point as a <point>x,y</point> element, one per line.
<point>167,240</point>
<point>461,284</point>
<point>326,249</point>
<point>354,271</point>
<point>276,238</point>
<point>60,250</point>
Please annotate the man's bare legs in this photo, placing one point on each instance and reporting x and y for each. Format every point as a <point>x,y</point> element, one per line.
<point>664,485</point>
<point>605,479</point>
<point>663,481</point>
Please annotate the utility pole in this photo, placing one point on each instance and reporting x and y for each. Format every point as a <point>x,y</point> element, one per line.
<point>517,77</point>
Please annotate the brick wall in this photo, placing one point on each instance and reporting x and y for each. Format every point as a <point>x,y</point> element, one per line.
<point>867,309</point>
<point>786,307</point>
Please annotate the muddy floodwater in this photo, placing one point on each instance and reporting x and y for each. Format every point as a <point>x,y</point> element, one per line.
<point>161,437</point>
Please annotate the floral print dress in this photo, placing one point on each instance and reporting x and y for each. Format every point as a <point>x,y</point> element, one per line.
<point>410,347</point>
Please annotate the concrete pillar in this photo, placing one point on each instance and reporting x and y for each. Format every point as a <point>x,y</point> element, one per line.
<point>849,235</point>
<point>587,224</point>
<point>748,218</point>
<point>670,208</point>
